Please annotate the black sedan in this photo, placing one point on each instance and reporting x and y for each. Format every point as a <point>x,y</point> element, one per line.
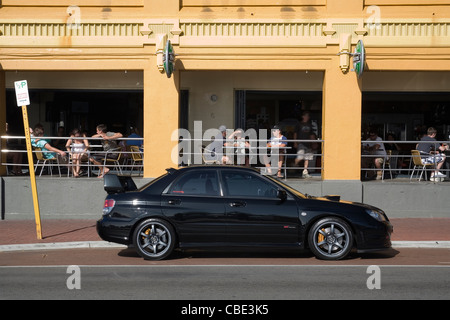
<point>234,207</point>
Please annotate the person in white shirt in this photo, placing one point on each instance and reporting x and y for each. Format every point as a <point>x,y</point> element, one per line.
<point>277,144</point>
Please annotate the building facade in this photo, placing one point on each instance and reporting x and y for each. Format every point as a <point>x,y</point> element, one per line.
<point>238,62</point>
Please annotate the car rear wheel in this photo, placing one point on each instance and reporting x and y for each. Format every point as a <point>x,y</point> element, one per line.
<point>154,239</point>
<point>330,239</point>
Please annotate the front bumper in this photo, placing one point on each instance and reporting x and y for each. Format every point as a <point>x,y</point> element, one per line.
<point>375,238</point>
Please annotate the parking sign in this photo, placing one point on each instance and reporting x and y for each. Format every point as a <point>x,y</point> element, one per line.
<point>23,99</point>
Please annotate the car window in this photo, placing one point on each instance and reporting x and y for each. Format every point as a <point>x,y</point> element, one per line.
<point>245,184</point>
<point>196,183</point>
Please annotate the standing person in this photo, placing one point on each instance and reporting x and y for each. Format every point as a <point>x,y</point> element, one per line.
<point>431,149</point>
<point>78,148</point>
<point>108,143</point>
<point>374,146</point>
<point>303,131</point>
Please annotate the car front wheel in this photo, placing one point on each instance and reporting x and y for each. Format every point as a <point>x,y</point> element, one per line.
<point>154,239</point>
<point>330,239</point>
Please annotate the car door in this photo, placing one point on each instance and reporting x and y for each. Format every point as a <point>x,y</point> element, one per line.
<point>194,203</point>
<point>255,214</point>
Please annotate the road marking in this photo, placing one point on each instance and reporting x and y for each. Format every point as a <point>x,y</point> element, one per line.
<point>234,266</point>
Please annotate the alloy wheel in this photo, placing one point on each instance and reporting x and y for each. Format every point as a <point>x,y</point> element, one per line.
<point>154,239</point>
<point>330,239</point>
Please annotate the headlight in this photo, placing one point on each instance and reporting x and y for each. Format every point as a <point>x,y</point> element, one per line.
<point>376,215</point>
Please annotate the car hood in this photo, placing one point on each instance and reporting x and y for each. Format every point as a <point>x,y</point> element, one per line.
<point>336,200</point>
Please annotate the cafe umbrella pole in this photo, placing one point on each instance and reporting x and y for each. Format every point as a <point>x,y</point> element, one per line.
<point>37,214</point>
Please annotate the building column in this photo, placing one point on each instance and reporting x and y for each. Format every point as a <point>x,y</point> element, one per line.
<point>341,120</point>
<point>160,118</point>
<point>3,156</point>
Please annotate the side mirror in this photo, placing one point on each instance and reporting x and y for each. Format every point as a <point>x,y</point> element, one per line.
<point>281,194</point>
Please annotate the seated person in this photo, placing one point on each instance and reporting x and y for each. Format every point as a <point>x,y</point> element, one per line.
<point>430,149</point>
<point>135,134</point>
<point>77,148</point>
<point>374,146</point>
<point>108,143</point>
<point>214,151</point>
<point>48,151</point>
<point>276,142</point>
<point>238,141</point>
<point>16,156</point>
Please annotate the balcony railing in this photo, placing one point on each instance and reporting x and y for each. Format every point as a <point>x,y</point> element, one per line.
<point>122,159</point>
<point>255,153</point>
<point>400,162</point>
<point>397,163</point>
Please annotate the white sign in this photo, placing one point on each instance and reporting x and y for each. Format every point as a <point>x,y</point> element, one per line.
<point>23,99</point>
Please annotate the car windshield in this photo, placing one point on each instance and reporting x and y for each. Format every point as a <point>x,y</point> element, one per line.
<point>289,188</point>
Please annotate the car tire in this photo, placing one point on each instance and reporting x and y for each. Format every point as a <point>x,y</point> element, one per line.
<point>330,239</point>
<point>154,239</point>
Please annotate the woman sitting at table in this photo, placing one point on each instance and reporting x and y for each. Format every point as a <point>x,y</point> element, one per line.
<point>77,148</point>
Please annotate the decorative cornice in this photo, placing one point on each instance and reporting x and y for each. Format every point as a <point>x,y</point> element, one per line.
<point>223,33</point>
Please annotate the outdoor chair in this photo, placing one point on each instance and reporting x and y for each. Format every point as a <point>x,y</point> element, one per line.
<point>114,158</point>
<point>43,161</point>
<point>137,157</point>
<point>417,160</point>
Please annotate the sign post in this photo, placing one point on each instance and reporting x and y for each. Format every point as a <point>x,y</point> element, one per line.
<point>23,100</point>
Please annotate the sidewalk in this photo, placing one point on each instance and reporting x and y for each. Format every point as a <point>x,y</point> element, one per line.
<point>57,234</point>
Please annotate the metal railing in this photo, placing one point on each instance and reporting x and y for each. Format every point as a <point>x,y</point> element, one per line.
<point>255,153</point>
<point>396,164</point>
<point>397,161</point>
<point>16,157</point>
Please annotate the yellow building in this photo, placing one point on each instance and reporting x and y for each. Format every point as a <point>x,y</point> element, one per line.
<point>100,61</point>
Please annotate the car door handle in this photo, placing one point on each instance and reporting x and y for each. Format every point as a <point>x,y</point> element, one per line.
<point>174,201</point>
<point>238,204</point>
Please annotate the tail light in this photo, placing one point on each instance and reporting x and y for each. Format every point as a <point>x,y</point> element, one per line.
<point>108,206</point>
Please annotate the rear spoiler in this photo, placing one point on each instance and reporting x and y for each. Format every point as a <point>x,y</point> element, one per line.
<point>118,184</point>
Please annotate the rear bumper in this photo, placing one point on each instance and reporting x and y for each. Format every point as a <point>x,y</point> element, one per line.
<point>113,232</point>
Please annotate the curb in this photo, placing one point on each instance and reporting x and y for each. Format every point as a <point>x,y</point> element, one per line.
<point>105,244</point>
<point>60,245</point>
<point>421,244</point>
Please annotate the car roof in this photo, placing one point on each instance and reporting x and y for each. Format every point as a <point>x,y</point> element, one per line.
<point>209,167</point>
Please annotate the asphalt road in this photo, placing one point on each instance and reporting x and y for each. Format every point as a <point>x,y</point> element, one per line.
<point>190,277</point>
<point>227,282</point>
